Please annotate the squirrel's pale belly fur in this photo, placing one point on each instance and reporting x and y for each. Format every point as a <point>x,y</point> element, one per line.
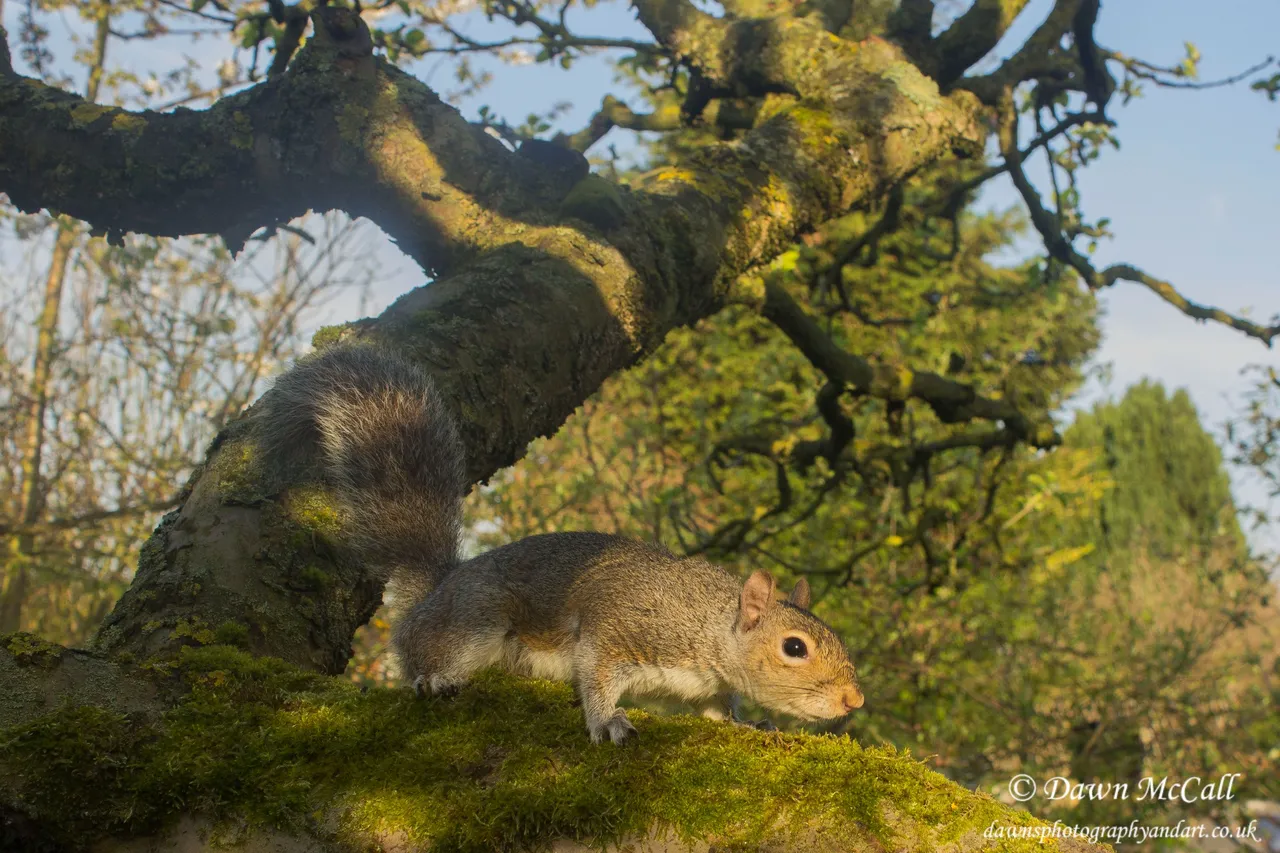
<point>683,683</point>
<point>610,614</point>
<point>553,666</point>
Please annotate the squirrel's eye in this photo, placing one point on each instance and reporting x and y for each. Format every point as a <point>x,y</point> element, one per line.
<point>794,647</point>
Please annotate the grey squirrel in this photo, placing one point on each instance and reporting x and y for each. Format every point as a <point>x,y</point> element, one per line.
<point>612,615</point>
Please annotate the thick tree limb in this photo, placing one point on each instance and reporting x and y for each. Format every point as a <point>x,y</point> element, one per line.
<point>914,20</point>
<point>338,131</point>
<point>972,36</point>
<point>1039,56</point>
<point>912,26</point>
<point>532,307</point>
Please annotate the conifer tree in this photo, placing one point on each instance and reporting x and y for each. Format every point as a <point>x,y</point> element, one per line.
<point>1171,491</point>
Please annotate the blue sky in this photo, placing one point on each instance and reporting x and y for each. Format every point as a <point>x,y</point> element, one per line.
<point>1193,194</point>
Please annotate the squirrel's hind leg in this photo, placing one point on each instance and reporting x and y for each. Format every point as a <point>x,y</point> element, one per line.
<point>601,684</point>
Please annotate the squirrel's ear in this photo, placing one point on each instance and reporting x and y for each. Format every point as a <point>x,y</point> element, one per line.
<point>757,595</point>
<point>800,595</point>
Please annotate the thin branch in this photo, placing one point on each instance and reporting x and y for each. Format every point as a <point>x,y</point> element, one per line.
<point>165,31</point>
<point>1151,73</point>
<point>88,518</point>
<point>1060,247</point>
<point>951,401</point>
<point>613,113</point>
<point>1167,292</point>
<point>556,38</point>
<point>1069,121</point>
<point>187,10</point>
<point>833,277</point>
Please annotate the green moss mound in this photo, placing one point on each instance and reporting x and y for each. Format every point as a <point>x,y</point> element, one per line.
<point>504,765</point>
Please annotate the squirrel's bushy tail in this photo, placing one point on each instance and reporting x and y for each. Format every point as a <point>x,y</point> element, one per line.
<point>390,451</point>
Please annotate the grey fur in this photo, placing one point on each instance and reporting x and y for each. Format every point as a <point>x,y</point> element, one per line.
<point>613,615</point>
<point>391,454</point>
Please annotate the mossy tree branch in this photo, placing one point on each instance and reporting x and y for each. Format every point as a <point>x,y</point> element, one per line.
<point>273,757</point>
<point>40,678</point>
<point>759,56</point>
<point>546,284</point>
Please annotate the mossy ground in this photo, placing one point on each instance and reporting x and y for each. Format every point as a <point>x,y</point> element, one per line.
<point>504,765</point>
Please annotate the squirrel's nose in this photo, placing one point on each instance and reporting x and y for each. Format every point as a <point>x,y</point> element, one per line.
<point>852,698</point>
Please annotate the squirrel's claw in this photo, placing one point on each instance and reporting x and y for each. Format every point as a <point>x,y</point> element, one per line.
<point>434,686</point>
<point>617,728</point>
<point>759,725</point>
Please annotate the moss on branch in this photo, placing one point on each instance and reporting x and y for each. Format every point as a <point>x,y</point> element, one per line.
<point>257,746</point>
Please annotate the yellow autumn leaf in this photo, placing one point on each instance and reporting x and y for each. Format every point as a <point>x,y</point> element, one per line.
<point>1067,556</point>
<point>783,446</point>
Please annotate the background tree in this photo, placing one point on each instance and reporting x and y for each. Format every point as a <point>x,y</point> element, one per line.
<point>1172,495</point>
<point>157,345</point>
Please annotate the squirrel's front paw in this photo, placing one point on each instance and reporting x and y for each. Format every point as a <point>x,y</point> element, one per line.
<point>617,728</point>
